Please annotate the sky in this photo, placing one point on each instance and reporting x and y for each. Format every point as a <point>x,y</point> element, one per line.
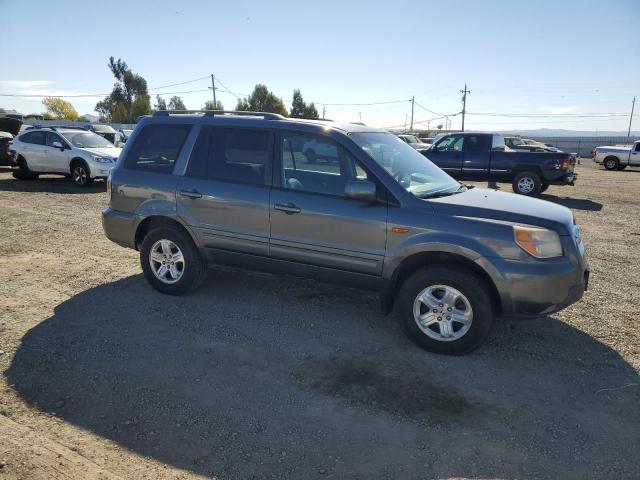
<point>535,64</point>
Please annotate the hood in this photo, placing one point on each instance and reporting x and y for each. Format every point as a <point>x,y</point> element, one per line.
<point>105,151</point>
<point>11,125</point>
<point>507,207</point>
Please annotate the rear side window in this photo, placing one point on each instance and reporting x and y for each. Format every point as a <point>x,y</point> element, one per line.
<point>37,138</point>
<point>157,148</point>
<point>232,154</point>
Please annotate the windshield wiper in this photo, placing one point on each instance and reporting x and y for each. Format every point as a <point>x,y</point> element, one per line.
<point>444,193</point>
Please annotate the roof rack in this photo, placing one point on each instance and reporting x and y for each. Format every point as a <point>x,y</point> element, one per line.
<point>213,113</point>
<point>54,127</point>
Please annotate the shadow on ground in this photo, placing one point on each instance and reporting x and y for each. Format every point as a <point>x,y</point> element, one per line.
<point>574,203</point>
<point>50,184</point>
<point>257,376</point>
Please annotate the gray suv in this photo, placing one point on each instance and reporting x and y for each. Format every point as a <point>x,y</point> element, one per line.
<point>198,188</point>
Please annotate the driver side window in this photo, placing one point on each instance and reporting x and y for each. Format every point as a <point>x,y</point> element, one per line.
<point>54,137</point>
<point>454,143</point>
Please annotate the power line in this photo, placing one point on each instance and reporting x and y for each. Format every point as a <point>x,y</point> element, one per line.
<point>181,83</point>
<point>550,115</point>
<point>361,104</point>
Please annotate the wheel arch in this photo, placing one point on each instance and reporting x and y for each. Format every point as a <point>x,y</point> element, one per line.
<point>76,160</point>
<point>156,221</point>
<point>420,260</point>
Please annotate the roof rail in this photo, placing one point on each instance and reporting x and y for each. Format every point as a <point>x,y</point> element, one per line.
<point>54,127</point>
<point>213,113</point>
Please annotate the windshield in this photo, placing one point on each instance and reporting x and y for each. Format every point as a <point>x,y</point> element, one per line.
<point>102,128</point>
<point>410,139</point>
<point>406,165</point>
<point>86,140</point>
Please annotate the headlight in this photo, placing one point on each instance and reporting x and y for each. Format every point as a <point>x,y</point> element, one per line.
<point>539,242</point>
<point>98,159</point>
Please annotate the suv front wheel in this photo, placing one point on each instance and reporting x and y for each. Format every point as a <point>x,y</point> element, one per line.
<point>446,310</point>
<point>170,261</point>
<point>80,174</point>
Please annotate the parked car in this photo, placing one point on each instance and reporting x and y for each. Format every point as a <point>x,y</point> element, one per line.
<point>314,150</point>
<point>9,127</point>
<point>619,157</point>
<point>105,131</point>
<point>484,157</point>
<point>124,134</point>
<point>414,142</point>
<point>193,189</point>
<point>427,140</point>
<point>69,151</point>
<point>518,144</point>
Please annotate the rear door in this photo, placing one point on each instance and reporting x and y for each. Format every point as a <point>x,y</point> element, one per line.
<point>33,150</point>
<point>224,194</point>
<point>447,154</point>
<point>476,156</point>
<point>312,222</point>
<point>56,160</point>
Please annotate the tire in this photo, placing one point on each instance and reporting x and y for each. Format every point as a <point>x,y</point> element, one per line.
<point>611,163</point>
<point>477,301</point>
<point>81,174</point>
<point>23,172</point>
<point>544,188</point>
<point>527,183</point>
<point>190,274</point>
<point>311,156</point>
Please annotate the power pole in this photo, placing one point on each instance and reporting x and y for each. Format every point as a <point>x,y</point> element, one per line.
<point>633,104</point>
<point>412,102</point>
<point>213,88</point>
<point>324,109</point>
<point>464,103</point>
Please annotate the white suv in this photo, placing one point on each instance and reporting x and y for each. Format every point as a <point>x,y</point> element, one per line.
<point>73,152</point>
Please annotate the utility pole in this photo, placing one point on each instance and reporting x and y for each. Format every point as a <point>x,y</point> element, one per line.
<point>324,109</point>
<point>464,103</point>
<point>633,104</point>
<point>412,102</point>
<point>213,88</point>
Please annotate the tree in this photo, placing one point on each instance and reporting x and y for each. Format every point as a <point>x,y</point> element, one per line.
<point>209,105</point>
<point>176,103</point>
<point>129,88</point>
<point>299,109</point>
<point>160,103</point>
<point>2,110</point>
<point>60,109</point>
<point>262,100</point>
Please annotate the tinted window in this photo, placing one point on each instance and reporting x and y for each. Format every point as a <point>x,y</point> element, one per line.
<point>233,154</point>
<point>476,144</point>
<point>53,137</point>
<point>316,164</point>
<point>33,137</point>
<point>157,148</point>
<point>452,143</point>
<point>638,147</point>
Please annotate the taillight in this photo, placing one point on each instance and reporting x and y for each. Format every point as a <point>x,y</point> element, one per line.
<point>566,163</point>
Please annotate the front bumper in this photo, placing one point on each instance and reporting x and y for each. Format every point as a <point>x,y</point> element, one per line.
<point>100,170</point>
<point>531,289</point>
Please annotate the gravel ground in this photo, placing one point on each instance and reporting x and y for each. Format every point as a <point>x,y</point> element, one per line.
<point>260,376</point>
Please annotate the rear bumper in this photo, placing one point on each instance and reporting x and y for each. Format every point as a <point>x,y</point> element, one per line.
<point>564,179</point>
<point>119,227</point>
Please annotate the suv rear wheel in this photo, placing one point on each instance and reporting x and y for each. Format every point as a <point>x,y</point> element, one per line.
<point>446,310</point>
<point>170,261</point>
<point>23,172</point>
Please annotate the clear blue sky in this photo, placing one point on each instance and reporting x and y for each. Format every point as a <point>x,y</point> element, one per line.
<point>542,57</point>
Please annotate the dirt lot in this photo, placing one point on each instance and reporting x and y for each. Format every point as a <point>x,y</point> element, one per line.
<point>258,376</point>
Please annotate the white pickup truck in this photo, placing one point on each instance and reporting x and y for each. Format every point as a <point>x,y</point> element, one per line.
<point>618,158</point>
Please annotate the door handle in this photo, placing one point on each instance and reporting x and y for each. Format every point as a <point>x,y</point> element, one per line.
<point>288,208</point>
<point>193,194</point>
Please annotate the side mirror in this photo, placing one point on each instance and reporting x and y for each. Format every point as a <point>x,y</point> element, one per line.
<point>58,145</point>
<point>362,190</point>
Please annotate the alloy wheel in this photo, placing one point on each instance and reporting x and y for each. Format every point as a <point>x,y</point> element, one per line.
<point>443,313</point>
<point>167,261</point>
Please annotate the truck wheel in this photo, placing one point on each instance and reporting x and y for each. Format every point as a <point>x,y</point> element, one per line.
<point>611,163</point>
<point>23,172</point>
<point>446,310</point>
<point>527,183</point>
<point>171,262</point>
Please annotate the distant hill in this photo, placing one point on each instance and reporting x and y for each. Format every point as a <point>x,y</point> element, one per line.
<point>553,132</point>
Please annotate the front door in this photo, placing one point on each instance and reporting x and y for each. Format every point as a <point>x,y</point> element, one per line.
<point>56,159</point>
<point>634,156</point>
<point>447,154</point>
<point>312,222</point>
<point>224,194</point>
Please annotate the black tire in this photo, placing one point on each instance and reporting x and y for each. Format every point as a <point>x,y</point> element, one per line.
<point>23,172</point>
<point>466,282</point>
<point>544,188</point>
<point>80,174</point>
<point>611,163</point>
<point>311,156</point>
<point>531,180</point>
<point>194,268</point>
